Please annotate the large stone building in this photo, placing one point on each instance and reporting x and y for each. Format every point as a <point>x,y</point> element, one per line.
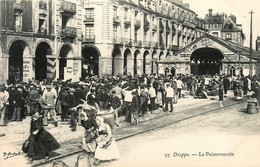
<point>50,39</point>
<point>224,27</point>
<point>130,36</point>
<point>40,39</point>
<point>219,51</point>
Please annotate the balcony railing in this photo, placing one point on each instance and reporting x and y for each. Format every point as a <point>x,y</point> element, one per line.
<point>147,44</point>
<point>154,27</point>
<point>146,25</point>
<point>18,6</point>
<point>127,41</point>
<point>69,32</point>
<point>68,7</point>
<point>137,23</point>
<point>116,19</point>
<point>89,19</point>
<point>42,5</point>
<point>139,43</point>
<point>127,21</point>
<point>18,29</point>
<point>155,44</point>
<point>117,40</point>
<point>90,38</point>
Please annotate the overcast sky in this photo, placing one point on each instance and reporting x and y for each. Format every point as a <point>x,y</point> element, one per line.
<point>240,8</point>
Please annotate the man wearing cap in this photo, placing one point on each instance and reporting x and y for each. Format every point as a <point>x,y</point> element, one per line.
<point>73,112</point>
<point>115,103</point>
<point>169,95</point>
<point>64,99</point>
<point>48,100</point>
<point>18,104</point>
<point>34,96</point>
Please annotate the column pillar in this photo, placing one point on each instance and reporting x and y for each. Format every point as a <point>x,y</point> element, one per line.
<point>28,72</point>
<point>130,66</point>
<point>51,67</point>
<point>105,66</point>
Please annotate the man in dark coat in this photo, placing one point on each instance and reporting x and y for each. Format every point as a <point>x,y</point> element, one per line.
<point>73,111</point>
<point>33,100</point>
<point>18,104</point>
<point>226,84</point>
<point>64,99</point>
<point>115,103</point>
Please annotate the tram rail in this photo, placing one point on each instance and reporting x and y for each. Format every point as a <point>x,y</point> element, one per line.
<point>59,157</point>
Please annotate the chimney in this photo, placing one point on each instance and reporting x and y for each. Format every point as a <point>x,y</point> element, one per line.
<point>210,12</point>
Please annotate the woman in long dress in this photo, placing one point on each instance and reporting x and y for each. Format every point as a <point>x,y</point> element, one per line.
<point>106,146</point>
<point>40,142</point>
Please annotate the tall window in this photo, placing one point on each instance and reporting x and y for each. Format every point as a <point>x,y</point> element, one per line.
<point>136,33</point>
<point>114,11</point>
<point>18,22</point>
<point>125,13</point>
<point>90,13</point>
<point>115,31</point>
<point>90,31</point>
<point>228,36</point>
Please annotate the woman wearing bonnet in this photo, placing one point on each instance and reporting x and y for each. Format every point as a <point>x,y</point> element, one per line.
<point>106,146</point>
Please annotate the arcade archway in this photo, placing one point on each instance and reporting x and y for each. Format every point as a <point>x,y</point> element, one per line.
<point>43,49</point>
<point>147,62</point>
<point>65,53</point>
<point>138,63</point>
<point>206,61</point>
<point>154,66</point>
<point>17,67</point>
<point>90,61</point>
<point>127,62</point>
<point>117,64</point>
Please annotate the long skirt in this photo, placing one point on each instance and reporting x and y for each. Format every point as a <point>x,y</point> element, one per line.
<point>109,153</point>
<point>159,99</point>
<point>41,144</point>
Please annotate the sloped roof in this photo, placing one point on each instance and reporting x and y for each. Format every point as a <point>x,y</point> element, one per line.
<point>228,44</point>
<point>214,19</point>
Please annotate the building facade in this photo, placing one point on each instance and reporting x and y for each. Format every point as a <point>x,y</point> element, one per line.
<point>50,39</point>
<point>224,27</point>
<point>131,36</point>
<point>40,39</point>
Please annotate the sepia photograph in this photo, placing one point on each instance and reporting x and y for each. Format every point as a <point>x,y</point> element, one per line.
<point>129,83</point>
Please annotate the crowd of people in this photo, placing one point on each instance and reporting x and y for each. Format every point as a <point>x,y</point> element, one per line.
<point>128,96</point>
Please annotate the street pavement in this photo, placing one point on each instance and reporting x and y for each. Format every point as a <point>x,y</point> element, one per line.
<point>17,132</point>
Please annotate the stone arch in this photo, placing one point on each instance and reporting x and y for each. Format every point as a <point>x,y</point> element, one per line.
<point>128,62</point>
<point>154,64</point>
<point>147,59</point>
<point>65,52</point>
<point>168,54</point>
<point>91,55</point>
<point>206,61</point>
<point>18,68</point>
<point>117,63</point>
<point>18,39</point>
<point>46,41</point>
<point>138,63</point>
<point>42,65</point>
<point>161,55</point>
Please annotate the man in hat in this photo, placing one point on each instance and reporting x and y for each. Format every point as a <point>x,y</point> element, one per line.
<point>169,96</point>
<point>48,100</point>
<point>18,104</point>
<point>34,96</point>
<point>64,99</point>
<point>115,103</point>
<point>4,96</point>
<point>73,112</point>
